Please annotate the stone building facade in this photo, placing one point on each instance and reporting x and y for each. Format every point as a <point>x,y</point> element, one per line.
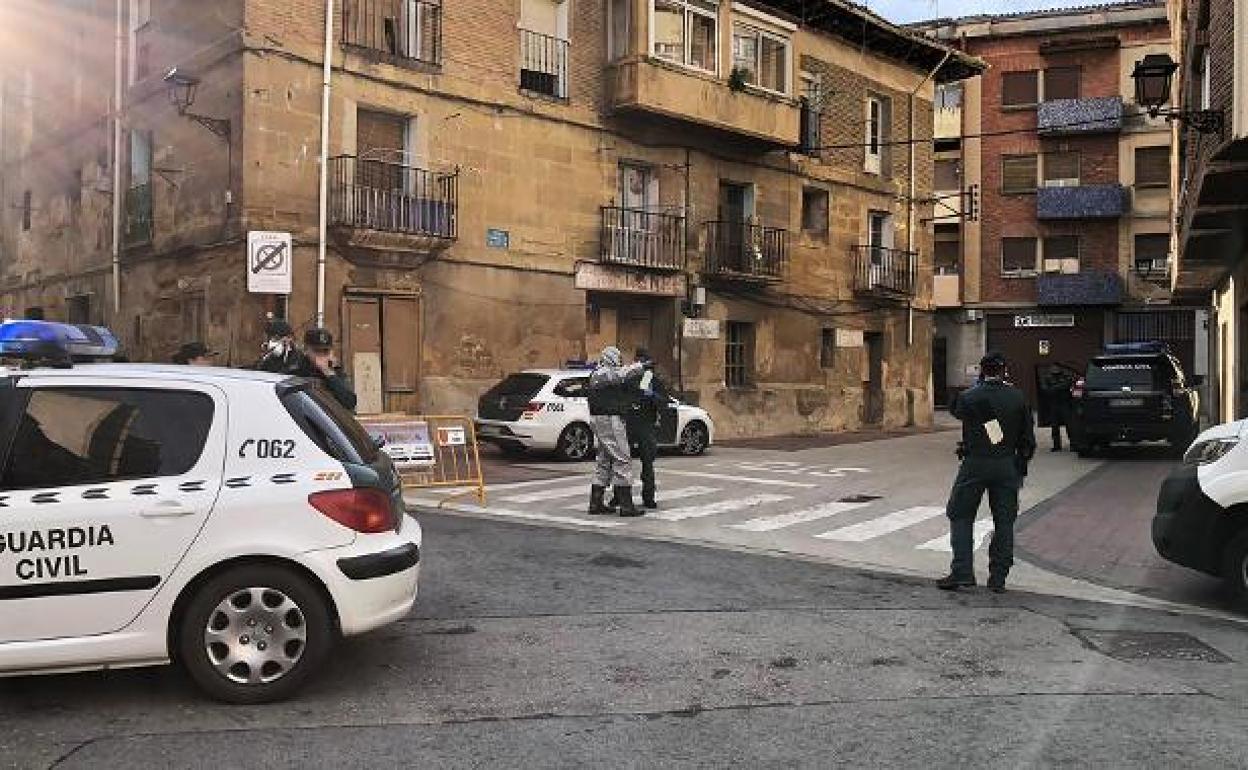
<point>511,184</point>
<point>1071,248</point>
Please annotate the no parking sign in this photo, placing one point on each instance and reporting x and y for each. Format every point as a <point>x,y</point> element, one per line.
<point>269,257</point>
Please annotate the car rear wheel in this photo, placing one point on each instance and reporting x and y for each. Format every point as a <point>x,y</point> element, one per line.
<point>576,443</point>
<point>254,634</point>
<point>1235,566</point>
<point>694,439</point>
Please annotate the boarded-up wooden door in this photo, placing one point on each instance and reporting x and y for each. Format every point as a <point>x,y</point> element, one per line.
<point>362,352</point>
<point>400,348</point>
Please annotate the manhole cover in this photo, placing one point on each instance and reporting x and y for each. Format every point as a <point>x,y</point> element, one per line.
<point>859,499</point>
<point>1151,645</point>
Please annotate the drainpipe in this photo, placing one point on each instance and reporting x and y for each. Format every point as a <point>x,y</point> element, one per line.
<point>910,198</point>
<point>118,93</point>
<point>324,195</point>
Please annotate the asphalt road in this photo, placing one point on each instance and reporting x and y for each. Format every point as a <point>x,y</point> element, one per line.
<point>539,647</point>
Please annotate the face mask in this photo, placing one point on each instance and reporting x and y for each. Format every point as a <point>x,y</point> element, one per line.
<point>275,348</point>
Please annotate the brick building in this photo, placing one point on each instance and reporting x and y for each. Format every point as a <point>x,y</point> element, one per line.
<point>1211,47</point>
<point>1071,246</point>
<point>510,184</point>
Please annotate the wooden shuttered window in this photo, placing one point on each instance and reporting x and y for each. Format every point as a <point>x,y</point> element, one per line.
<point>1018,173</point>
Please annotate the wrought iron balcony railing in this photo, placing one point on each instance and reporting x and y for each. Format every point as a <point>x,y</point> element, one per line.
<point>405,29</point>
<point>745,251</point>
<point>885,271</point>
<point>543,64</point>
<point>394,198</point>
<point>646,239</point>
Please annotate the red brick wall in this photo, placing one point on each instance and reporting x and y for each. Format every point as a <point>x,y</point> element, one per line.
<point>1015,215</point>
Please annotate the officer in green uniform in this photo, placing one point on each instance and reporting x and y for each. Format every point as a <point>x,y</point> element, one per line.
<point>998,441</point>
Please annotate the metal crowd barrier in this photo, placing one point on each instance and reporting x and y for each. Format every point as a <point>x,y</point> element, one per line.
<point>437,452</point>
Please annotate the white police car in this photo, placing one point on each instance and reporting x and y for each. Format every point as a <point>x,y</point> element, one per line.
<point>547,409</point>
<point>233,521</point>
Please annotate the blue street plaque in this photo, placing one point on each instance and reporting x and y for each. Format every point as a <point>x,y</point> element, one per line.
<point>497,239</point>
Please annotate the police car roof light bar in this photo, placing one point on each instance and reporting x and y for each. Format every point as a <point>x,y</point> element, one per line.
<point>1137,348</point>
<point>574,364</point>
<point>58,344</point>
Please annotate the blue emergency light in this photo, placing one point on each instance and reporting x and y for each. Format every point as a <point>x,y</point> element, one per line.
<point>55,342</point>
<point>1136,348</point>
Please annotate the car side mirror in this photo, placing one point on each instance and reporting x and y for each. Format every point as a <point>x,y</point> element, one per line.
<point>379,442</point>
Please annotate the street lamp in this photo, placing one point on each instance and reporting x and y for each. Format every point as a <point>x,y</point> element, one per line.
<point>182,90</point>
<point>1152,76</point>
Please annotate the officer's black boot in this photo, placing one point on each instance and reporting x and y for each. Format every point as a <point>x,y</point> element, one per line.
<point>596,506</point>
<point>649,502</point>
<point>624,499</point>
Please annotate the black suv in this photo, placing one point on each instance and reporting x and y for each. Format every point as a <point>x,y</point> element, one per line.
<point>1134,392</point>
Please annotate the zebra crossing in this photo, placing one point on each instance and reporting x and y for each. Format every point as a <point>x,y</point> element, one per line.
<point>723,506</point>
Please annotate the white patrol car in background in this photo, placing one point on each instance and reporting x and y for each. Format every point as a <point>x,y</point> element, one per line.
<point>547,409</point>
<point>233,521</point>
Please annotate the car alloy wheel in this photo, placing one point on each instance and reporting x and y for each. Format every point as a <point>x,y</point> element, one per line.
<point>255,636</point>
<point>693,439</point>
<point>576,442</point>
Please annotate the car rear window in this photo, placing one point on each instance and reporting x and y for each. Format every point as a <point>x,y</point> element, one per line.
<point>1117,373</point>
<point>328,424</point>
<point>525,385</point>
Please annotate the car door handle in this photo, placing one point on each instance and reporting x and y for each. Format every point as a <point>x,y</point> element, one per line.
<point>167,509</point>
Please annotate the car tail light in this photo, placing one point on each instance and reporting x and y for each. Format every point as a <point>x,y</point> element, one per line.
<point>530,409</point>
<point>363,510</point>
<point>1078,389</point>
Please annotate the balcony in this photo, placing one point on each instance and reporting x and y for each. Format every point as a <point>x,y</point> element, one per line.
<point>1079,117</point>
<point>543,64</point>
<point>947,289</point>
<point>376,204</point>
<point>738,251</point>
<point>1090,288</point>
<point>1091,201</point>
<point>1153,271</point>
<point>403,30</point>
<point>884,272</point>
<point>654,87</point>
<point>642,239</point>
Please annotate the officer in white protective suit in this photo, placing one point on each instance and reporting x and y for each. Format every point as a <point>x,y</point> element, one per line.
<point>612,392</point>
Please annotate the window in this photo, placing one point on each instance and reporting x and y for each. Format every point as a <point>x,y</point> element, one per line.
<point>827,348</point>
<point>329,425</point>
<point>194,311</point>
<point>138,225</point>
<point>814,211</point>
<point>1061,169</point>
<point>947,175</point>
<point>1206,86</point>
<point>1018,173</point>
<point>1018,256</point>
<point>1061,254</point>
<point>78,309</point>
<point>761,57</point>
<point>1152,252</point>
<point>947,249</point>
<point>877,128</point>
<point>738,354</point>
<point>407,29</point>
<point>26,206</point>
<point>619,29</point>
<point>686,31</point>
<point>1019,89</point>
<point>1061,83</point>
<point>948,96</point>
<point>1152,166</point>
<point>572,388</point>
<point>544,47</point>
<point>72,436</point>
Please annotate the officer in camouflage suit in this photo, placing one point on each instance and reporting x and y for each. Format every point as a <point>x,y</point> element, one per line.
<point>612,392</point>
